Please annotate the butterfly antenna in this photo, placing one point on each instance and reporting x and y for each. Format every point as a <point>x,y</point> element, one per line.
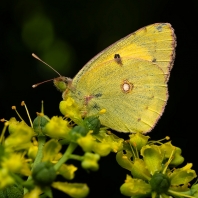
<point>35,56</point>
<point>36,85</point>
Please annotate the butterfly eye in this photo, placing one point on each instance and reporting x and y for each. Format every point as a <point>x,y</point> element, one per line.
<point>62,83</point>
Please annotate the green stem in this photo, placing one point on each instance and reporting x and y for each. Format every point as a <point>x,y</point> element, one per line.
<point>66,155</point>
<point>77,157</point>
<point>3,132</point>
<point>41,143</point>
<point>179,194</point>
<point>154,194</point>
<point>18,179</point>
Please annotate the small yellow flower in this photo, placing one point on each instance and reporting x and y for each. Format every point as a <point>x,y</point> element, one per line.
<point>51,150</point>
<point>67,171</point>
<point>20,137</point>
<point>76,190</point>
<point>70,109</point>
<point>5,178</point>
<point>57,128</point>
<point>15,159</point>
<point>90,161</point>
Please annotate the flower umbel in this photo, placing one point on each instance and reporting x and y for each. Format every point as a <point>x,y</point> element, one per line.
<point>153,167</point>
<point>42,150</point>
<point>41,161</point>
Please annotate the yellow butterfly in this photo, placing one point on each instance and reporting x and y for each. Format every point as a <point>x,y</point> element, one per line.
<point>128,79</point>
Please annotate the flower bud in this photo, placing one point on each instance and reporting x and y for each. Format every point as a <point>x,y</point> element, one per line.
<point>160,183</point>
<point>90,161</point>
<point>44,174</point>
<point>92,123</point>
<point>67,171</point>
<point>86,142</point>
<point>78,132</point>
<point>39,124</point>
<point>101,148</point>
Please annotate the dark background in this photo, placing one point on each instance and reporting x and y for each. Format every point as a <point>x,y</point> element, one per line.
<point>67,34</point>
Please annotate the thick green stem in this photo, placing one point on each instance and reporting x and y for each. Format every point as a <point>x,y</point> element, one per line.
<point>66,155</point>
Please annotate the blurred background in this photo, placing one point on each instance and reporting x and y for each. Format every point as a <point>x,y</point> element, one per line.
<point>66,35</point>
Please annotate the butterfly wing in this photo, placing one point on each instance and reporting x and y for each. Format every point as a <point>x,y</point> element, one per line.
<point>155,43</point>
<point>129,79</point>
<point>134,94</point>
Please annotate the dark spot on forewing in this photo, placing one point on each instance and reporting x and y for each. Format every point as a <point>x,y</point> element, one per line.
<point>160,27</point>
<point>118,59</point>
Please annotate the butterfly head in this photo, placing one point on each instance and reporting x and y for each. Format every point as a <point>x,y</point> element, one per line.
<point>62,83</point>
